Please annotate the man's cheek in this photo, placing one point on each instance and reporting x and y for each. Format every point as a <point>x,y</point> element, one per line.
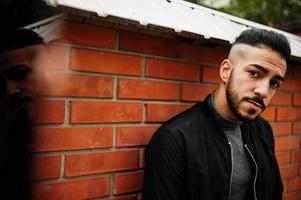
<point>30,85</point>
<point>267,101</point>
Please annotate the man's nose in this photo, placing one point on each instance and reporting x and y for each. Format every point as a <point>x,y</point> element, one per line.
<point>12,87</point>
<point>262,89</point>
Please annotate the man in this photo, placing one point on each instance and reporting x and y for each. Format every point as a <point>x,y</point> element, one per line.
<point>21,77</point>
<point>220,149</point>
<point>22,57</point>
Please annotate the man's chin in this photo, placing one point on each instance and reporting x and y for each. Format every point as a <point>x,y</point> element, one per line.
<point>247,116</point>
<point>24,110</point>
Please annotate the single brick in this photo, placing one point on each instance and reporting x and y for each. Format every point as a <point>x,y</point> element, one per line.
<point>71,138</point>
<point>172,70</point>
<point>162,112</point>
<point>145,89</point>
<point>134,135</point>
<point>282,128</point>
<point>81,164</point>
<point>75,189</point>
<point>72,85</point>
<point>194,92</point>
<point>104,62</point>
<point>94,112</point>
<point>288,113</point>
<point>287,143</point>
<point>129,182</point>
<point>89,35</point>
<point>137,42</point>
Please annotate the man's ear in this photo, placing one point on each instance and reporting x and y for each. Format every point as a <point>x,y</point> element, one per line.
<point>225,70</point>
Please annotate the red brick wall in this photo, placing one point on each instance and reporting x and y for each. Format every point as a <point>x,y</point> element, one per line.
<point>110,91</point>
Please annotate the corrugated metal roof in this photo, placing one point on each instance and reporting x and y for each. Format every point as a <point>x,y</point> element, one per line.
<point>181,16</point>
<point>50,29</point>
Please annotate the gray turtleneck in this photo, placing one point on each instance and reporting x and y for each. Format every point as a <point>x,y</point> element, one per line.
<point>241,167</point>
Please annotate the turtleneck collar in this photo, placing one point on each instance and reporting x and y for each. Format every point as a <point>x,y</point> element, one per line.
<point>225,124</point>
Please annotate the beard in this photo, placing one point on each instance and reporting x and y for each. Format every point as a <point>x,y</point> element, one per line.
<point>234,101</point>
<point>15,140</point>
<point>21,105</point>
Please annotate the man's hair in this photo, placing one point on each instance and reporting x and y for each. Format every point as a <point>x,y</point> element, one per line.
<point>19,38</point>
<point>271,39</point>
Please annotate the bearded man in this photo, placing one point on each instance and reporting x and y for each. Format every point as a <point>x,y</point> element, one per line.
<point>221,149</point>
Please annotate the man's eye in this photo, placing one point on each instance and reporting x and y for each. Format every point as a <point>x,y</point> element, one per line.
<point>275,84</point>
<point>253,74</point>
<point>19,74</point>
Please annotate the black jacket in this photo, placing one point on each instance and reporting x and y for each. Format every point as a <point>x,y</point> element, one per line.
<point>189,158</point>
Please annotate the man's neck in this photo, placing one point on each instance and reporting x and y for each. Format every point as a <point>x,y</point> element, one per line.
<point>222,106</point>
<point>224,123</point>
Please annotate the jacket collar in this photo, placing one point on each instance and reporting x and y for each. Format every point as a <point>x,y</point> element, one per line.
<point>217,130</point>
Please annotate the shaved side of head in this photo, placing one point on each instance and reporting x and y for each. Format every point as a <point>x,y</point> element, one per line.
<point>238,52</point>
<point>241,51</point>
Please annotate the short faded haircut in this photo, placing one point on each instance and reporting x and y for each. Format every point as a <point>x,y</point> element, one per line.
<point>271,39</point>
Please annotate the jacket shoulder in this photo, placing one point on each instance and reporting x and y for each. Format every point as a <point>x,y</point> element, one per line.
<point>263,130</point>
<point>184,118</point>
<point>262,124</point>
<point>176,130</point>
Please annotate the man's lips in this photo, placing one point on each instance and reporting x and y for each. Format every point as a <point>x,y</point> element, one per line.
<point>255,103</point>
<point>21,103</point>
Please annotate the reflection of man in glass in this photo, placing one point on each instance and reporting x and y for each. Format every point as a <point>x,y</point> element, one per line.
<point>22,76</point>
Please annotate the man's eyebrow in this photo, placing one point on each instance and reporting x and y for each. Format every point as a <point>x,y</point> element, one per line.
<point>281,78</point>
<point>264,70</point>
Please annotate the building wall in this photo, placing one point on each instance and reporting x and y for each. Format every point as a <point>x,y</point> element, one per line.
<point>110,90</point>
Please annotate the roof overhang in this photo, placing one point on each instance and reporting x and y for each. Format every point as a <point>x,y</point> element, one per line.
<point>184,18</point>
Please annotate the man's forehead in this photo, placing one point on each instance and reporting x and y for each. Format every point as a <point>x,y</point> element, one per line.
<point>261,55</point>
<point>26,54</point>
<point>13,58</point>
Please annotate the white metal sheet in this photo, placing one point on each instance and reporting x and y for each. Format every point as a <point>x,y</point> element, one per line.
<point>177,15</point>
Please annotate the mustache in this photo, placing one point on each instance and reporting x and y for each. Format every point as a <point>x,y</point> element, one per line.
<point>18,100</point>
<point>256,99</point>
